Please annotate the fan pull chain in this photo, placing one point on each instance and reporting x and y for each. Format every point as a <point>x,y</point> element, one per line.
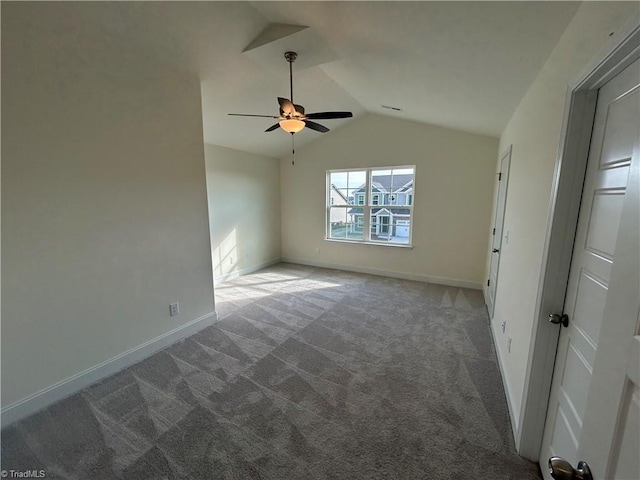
<point>293,151</point>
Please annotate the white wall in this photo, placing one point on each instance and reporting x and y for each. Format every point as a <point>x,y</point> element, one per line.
<point>454,185</point>
<point>534,130</point>
<point>244,211</point>
<point>104,204</point>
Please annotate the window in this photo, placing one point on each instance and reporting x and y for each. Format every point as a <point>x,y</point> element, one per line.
<point>377,206</point>
<point>384,225</point>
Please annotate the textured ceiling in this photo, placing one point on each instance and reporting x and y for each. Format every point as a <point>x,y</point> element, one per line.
<point>464,65</point>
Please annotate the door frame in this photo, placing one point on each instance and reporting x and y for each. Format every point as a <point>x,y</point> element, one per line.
<point>505,155</point>
<point>580,103</point>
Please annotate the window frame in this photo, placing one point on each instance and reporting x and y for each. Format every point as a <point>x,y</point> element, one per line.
<point>368,206</point>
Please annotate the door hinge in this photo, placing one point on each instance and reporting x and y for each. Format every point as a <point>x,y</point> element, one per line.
<point>499,176</point>
<point>494,232</point>
<point>488,282</point>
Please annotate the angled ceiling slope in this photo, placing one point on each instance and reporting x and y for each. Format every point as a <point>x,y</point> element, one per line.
<point>268,47</point>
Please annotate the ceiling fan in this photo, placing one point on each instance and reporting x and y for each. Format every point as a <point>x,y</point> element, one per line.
<point>292,117</point>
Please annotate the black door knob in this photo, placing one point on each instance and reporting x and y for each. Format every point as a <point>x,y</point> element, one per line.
<point>559,319</point>
<point>560,469</point>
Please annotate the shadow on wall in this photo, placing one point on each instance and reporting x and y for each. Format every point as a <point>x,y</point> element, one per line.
<point>224,257</point>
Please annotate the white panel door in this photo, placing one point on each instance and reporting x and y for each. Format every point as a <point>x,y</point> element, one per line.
<point>496,245</point>
<point>594,404</point>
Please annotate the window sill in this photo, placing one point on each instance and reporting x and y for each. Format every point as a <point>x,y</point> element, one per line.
<point>375,244</point>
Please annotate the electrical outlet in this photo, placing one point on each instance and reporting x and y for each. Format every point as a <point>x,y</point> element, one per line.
<point>504,326</point>
<point>317,250</point>
<point>174,309</point>
<point>509,345</point>
<point>230,260</point>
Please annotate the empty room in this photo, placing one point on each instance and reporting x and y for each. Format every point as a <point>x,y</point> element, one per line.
<point>320,240</point>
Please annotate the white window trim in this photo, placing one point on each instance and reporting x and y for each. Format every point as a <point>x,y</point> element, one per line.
<point>368,207</point>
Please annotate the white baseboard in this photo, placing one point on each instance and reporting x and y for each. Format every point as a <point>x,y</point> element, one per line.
<point>243,271</point>
<point>513,414</point>
<point>39,400</point>
<point>450,282</point>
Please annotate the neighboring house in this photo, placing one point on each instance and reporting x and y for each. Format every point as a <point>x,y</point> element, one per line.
<point>387,191</point>
<point>337,215</point>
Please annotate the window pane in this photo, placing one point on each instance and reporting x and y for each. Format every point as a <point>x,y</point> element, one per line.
<point>385,172</point>
<point>389,192</point>
<point>346,223</point>
<point>402,229</point>
<point>378,192</point>
<point>400,178</point>
<point>337,196</point>
<point>390,228</point>
<point>352,196</point>
<point>392,185</point>
<point>355,231</point>
<point>338,215</point>
<point>339,179</point>
<point>357,179</point>
<point>337,230</point>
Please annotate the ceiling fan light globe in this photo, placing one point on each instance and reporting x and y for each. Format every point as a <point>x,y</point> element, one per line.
<point>291,125</point>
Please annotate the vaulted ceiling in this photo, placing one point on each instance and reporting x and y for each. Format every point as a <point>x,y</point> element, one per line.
<point>463,65</point>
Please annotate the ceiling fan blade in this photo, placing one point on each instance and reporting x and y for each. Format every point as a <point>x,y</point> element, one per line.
<point>251,115</point>
<point>299,109</point>
<point>328,115</point>
<point>272,127</point>
<point>286,107</point>
<point>316,126</point>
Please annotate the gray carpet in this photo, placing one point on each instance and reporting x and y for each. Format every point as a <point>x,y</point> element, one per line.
<point>309,374</point>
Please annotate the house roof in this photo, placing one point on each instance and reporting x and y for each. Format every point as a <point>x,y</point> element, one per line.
<point>337,190</point>
<point>383,183</point>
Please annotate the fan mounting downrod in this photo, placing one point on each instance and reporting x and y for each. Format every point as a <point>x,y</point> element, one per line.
<point>291,57</point>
